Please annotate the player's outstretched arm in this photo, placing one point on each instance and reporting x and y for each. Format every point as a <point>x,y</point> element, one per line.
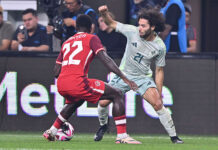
<point>111,65</point>
<point>103,10</point>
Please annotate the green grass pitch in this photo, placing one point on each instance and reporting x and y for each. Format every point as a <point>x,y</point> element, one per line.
<point>35,141</point>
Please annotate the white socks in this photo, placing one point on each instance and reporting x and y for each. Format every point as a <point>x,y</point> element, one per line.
<point>166,121</point>
<point>164,116</point>
<point>53,130</point>
<point>122,136</point>
<point>103,115</point>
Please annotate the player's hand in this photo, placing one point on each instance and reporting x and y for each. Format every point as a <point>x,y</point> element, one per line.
<point>20,37</point>
<point>131,84</point>
<point>69,22</point>
<point>103,9</point>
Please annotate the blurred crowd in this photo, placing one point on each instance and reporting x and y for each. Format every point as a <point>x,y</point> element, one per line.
<point>179,35</point>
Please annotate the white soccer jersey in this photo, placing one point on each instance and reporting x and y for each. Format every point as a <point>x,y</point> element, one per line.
<point>140,53</point>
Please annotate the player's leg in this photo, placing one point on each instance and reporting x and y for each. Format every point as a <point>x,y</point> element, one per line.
<point>103,112</point>
<point>64,115</point>
<point>103,115</point>
<point>103,120</point>
<point>154,98</point>
<point>115,96</point>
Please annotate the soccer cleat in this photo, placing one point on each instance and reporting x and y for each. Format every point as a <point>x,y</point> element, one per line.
<point>176,140</point>
<point>127,140</point>
<point>100,133</point>
<point>48,135</point>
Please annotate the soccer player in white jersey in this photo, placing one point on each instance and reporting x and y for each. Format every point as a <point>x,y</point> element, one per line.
<point>143,46</point>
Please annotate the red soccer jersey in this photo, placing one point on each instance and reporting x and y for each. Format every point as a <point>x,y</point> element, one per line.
<point>75,56</point>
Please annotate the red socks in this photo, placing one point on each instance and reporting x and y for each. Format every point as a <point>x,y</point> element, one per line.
<point>120,124</point>
<point>58,122</point>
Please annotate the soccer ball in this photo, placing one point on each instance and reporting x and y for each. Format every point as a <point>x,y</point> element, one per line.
<point>65,133</point>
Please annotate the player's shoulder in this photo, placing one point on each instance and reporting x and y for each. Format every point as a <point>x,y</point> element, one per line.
<point>160,43</point>
<point>93,37</point>
<point>90,37</point>
<point>128,27</point>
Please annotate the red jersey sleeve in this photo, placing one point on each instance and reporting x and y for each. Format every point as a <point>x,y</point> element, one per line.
<point>95,44</point>
<point>60,58</point>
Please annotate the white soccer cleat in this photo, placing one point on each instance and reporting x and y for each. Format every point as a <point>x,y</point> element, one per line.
<point>127,140</point>
<point>48,135</point>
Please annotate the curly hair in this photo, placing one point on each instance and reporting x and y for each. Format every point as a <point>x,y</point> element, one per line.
<point>154,17</point>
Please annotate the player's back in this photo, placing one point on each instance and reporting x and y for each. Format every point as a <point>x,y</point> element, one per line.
<point>75,56</point>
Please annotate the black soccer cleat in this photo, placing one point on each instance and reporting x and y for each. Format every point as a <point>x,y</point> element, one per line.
<point>100,133</point>
<point>176,140</point>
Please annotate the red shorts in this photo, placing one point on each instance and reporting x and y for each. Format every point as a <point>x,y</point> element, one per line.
<point>90,91</point>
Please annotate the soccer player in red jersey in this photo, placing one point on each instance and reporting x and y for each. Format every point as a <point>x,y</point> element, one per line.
<point>72,67</point>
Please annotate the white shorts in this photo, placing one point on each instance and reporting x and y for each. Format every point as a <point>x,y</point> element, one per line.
<point>143,83</point>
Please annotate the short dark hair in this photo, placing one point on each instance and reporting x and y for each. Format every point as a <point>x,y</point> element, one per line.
<point>154,17</point>
<point>29,10</point>
<point>84,22</point>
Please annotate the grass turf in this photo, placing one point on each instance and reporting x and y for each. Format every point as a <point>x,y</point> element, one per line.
<point>35,141</point>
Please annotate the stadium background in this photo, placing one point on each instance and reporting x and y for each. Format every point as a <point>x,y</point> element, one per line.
<point>191,78</point>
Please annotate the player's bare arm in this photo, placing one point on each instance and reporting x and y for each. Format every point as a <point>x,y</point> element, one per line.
<point>58,65</point>
<point>159,77</point>
<point>57,70</point>
<point>103,10</point>
<point>111,65</point>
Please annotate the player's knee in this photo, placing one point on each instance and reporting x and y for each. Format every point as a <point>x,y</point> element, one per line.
<point>104,103</point>
<point>158,105</point>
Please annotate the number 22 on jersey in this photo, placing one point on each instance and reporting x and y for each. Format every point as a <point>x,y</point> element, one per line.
<point>69,59</point>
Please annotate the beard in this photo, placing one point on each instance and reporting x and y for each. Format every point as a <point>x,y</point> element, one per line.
<point>147,34</point>
<point>32,29</point>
